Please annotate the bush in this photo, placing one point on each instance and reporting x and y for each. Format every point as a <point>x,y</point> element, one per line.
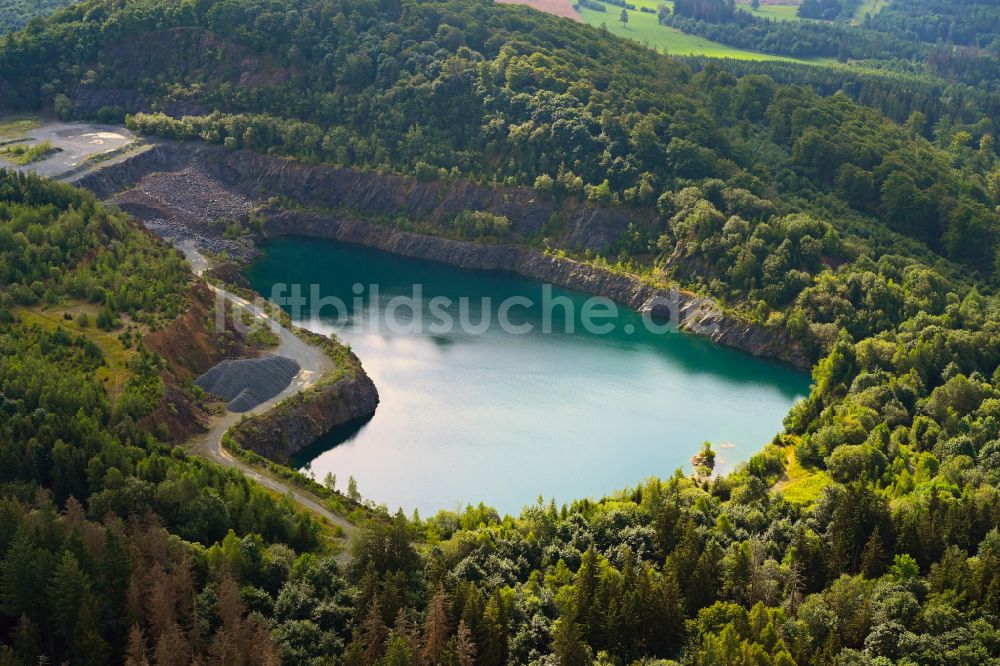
<point>481,224</point>
<point>425,172</point>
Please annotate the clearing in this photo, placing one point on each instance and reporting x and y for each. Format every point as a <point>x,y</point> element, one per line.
<point>69,147</point>
<point>562,8</point>
<point>799,485</point>
<point>868,8</point>
<point>645,28</point>
<point>115,372</point>
<point>776,11</point>
<point>14,129</point>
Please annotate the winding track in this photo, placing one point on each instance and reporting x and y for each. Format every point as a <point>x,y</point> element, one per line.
<point>313,362</point>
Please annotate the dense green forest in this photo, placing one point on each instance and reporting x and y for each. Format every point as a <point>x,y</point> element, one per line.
<point>828,10</point>
<point>867,533</point>
<point>966,23</point>
<point>113,542</point>
<point>118,549</point>
<point>469,91</point>
<point>951,40</point>
<point>15,14</point>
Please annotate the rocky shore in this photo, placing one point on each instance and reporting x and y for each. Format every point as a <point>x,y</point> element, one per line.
<point>691,312</point>
<point>302,419</point>
<point>359,207</point>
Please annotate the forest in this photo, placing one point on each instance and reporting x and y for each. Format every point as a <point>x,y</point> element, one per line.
<point>15,14</point>
<point>902,36</point>
<point>109,536</point>
<point>828,10</point>
<point>818,200</point>
<point>491,100</point>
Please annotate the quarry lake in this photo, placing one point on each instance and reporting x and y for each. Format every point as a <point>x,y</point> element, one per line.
<point>503,417</point>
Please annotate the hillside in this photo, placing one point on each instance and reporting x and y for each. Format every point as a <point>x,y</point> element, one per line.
<point>15,14</point>
<point>868,532</point>
<point>504,94</point>
<point>109,534</point>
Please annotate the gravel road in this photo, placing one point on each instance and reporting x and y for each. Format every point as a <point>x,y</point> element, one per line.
<point>312,361</point>
<point>77,142</point>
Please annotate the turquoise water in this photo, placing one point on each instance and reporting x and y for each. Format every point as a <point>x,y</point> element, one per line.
<point>504,418</point>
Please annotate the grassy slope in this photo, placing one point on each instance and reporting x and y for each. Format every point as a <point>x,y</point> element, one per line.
<point>773,12</point>
<point>14,127</point>
<point>868,7</point>
<point>799,485</point>
<point>646,29</point>
<point>116,372</point>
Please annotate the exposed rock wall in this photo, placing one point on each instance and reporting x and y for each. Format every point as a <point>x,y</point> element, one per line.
<point>360,206</point>
<point>302,419</point>
<point>370,194</point>
<point>689,311</point>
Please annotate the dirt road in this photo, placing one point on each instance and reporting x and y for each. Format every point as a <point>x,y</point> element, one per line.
<point>78,143</point>
<point>313,363</point>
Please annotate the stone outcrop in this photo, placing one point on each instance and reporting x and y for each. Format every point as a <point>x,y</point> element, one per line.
<point>302,419</point>
<point>370,195</point>
<point>691,312</point>
<point>362,207</point>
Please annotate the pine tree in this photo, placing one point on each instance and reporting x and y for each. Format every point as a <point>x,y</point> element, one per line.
<point>585,587</point>
<point>398,652</point>
<point>406,630</point>
<point>873,556</point>
<point>466,647</point>
<point>493,651</point>
<point>68,590</point>
<point>228,644</point>
<point>435,628</point>
<point>568,645</point>
<point>88,647</point>
<point>26,640</point>
<point>794,586</point>
<point>373,633</point>
<point>21,577</point>
<point>172,648</point>
<point>135,655</point>
<point>113,571</point>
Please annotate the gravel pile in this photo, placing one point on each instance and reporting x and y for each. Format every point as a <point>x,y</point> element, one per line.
<point>240,250</point>
<point>190,204</point>
<point>246,383</point>
<point>190,196</point>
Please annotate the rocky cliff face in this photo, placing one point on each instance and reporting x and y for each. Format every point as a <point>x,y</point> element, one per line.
<point>360,207</point>
<point>689,311</point>
<point>368,194</point>
<point>301,420</point>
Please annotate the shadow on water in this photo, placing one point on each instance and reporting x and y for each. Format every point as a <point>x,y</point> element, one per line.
<point>341,434</point>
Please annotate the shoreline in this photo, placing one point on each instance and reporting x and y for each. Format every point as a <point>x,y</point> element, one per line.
<point>248,182</point>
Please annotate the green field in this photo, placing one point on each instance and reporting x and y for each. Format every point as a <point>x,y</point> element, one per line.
<point>646,29</point>
<point>773,12</point>
<point>868,7</point>
<point>16,127</point>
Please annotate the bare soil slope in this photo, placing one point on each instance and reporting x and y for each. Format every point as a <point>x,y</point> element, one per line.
<point>562,8</point>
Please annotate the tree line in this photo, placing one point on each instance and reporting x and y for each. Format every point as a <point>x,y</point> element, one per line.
<point>867,532</point>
